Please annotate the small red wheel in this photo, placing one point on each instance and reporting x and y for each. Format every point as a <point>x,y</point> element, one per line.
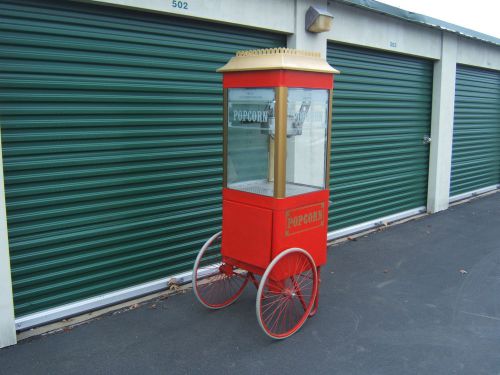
<point>287,293</point>
<point>216,284</point>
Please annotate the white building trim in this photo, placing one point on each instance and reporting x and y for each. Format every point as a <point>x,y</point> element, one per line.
<point>443,110</point>
<point>473,193</point>
<point>478,54</point>
<point>380,222</point>
<point>275,15</point>
<point>365,28</point>
<point>7,328</point>
<point>79,307</point>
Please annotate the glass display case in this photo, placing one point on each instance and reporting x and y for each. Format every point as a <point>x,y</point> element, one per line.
<point>277,140</point>
<point>250,140</point>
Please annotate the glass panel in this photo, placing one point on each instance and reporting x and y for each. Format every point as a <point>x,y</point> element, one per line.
<point>250,139</point>
<point>307,124</point>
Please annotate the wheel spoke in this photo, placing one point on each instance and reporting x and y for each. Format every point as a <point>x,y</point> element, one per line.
<point>272,305</point>
<point>299,293</point>
<point>278,313</point>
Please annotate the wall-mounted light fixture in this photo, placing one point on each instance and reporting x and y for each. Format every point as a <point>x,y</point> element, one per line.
<point>318,20</point>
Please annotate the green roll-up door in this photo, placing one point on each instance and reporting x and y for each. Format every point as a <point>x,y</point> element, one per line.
<point>476,130</point>
<point>381,113</point>
<point>111,131</point>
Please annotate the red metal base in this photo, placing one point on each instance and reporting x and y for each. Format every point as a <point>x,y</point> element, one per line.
<point>256,228</point>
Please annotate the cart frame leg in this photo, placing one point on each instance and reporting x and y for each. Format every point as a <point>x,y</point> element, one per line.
<point>254,281</point>
<point>316,300</point>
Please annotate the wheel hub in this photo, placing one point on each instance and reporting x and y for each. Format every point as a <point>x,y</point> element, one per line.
<point>226,269</point>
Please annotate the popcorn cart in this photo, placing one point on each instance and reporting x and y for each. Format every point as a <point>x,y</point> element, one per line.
<point>277,116</point>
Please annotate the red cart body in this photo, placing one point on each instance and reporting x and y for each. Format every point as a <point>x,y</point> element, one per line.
<point>257,228</point>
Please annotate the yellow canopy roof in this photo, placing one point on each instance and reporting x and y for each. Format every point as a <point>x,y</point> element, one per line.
<point>278,58</point>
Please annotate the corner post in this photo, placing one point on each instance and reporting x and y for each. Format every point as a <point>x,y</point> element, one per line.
<point>7,323</point>
<point>280,142</point>
<point>443,110</point>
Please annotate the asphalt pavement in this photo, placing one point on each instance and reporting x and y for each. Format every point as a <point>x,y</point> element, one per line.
<point>422,297</point>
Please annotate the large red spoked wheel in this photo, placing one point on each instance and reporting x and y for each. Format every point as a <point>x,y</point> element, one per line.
<point>284,303</point>
<point>216,284</point>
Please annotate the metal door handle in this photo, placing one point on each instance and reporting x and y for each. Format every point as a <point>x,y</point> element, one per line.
<point>426,140</point>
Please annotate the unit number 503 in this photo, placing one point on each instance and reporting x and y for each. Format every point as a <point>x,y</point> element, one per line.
<point>180,4</point>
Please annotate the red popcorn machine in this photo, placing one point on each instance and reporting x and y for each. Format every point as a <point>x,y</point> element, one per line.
<point>276,153</point>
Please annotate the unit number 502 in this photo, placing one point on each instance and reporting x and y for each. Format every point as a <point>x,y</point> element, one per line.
<point>180,4</point>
